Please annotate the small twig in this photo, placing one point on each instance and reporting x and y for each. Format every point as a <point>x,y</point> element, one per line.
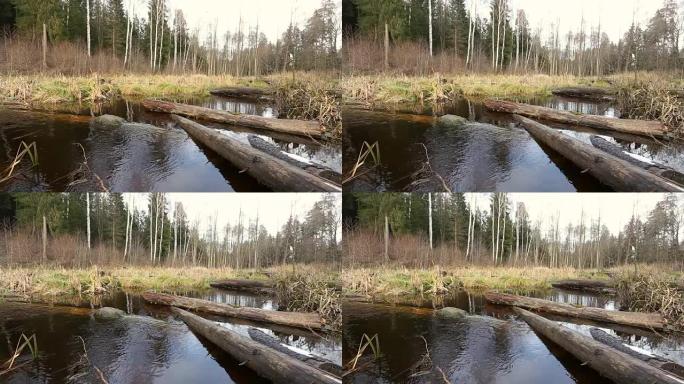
<point>444,184</point>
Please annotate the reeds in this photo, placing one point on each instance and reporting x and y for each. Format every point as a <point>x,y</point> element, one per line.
<point>30,150</point>
<point>368,152</point>
<point>30,342</point>
<point>652,292</point>
<point>652,100</point>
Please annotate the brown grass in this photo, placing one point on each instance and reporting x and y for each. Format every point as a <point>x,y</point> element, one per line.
<point>652,292</point>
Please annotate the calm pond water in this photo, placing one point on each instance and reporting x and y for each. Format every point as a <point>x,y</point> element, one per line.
<point>134,159</point>
<point>150,348</point>
<point>497,348</point>
<point>477,158</point>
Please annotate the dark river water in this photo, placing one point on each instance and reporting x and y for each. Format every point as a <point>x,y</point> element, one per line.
<point>488,157</point>
<point>134,159</point>
<point>150,348</point>
<point>494,347</point>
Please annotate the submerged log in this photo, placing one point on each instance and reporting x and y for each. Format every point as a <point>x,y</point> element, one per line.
<point>589,93</point>
<point>266,362</point>
<point>656,361</point>
<point>243,93</point>
<point>314,361</point>
<point>243,285</point>
<point>292,319</point>
<point>634,319</point>
<point>270,171</point>
<point>655,168</point>
<point>614,172</point>
<point>610,363</point>
<point>635,127</point>
<point>594,286</point>
<point>293,127</point>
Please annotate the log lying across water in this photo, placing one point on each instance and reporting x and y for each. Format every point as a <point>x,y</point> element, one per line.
<point>293,127</point>
<point>593,286</point>
<point>244,285</point>
<point>268,363</point>
<point>314,361</point>
<point>610,363</point>
<point>589,93</point>
<point>293,319</point>
<point>616,173</point>
<point>270,171</point>
<point>243,93</point>
<point>634,319</point>
<point>656,361</point>
<point>635,127</point>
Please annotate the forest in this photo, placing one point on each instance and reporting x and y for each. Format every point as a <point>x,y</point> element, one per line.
<point>79,37</point>
<point>447,36</point>
<point>86,229</point>
<point>423,230</point>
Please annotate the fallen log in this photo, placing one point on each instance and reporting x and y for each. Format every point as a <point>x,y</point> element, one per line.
<point>294,127</point>
<point>243,93</point>
<point>634,319</point>
<point>270,171</point>
<point>635,127</point>
<point>268,363</point>
<point>589,93</point>
<point>243,285</point>
<point>594,286</point>
<point>314,361</point>
<point>655,168</point>
<point>616,173</point>
<point>310,167</point>
<point>610,363</point>
<point>293,319</point>
<point>656,361</point>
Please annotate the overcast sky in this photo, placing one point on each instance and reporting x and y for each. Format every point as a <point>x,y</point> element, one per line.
<point>273,208</point>
<point>615,15</point>
<point>273,15</point>
<point>615,208</point>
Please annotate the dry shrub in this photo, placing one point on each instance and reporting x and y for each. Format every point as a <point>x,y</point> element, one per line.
<point>652,293</point>
<point>652,100</point>
<point>307,99</point>
<point>310,291</point>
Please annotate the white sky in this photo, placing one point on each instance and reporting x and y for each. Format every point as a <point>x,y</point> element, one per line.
<point>274,208</point>
<point>273,15</point>
<point>615,15</point>
<point>615,208</point>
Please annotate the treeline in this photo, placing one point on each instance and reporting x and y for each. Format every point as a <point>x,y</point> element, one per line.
<point>427,229</point>
<point>449,35</point>
<point>80,36</point>
<point>76,229</point>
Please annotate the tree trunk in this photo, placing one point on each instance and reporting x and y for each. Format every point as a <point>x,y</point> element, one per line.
<point>386,46</point>
<point>44,46</point>
<point>88,25</point>
<point>616,173</point>
<point>386,239</point>
<point>88,217</point>
<point>593,286</point>
<point>244,285</point>
<point>589,93</point>
<point>610,363</point>
<point>268,363</point>
<point>291,319</point>
<point>634,319</point>
<point>430,25</point>
<point>430,217</point>
<point>44,239</point>
<point>244,93</point>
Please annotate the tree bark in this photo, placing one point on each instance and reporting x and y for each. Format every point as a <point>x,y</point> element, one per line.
<point>271,364</point>
<point>291,319</point>
<point>88,217</point>
<point>88,25</point>
<point>635,127</point>
<point>610,363</point>
<point>44,46</point>
<point>634,319</point>
<point>44,239</point>
<point>614,172</point>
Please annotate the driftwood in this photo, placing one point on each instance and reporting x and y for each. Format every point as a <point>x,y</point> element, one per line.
<point>312,168</point>
<point>594,286</point>
<point>270,171</point>
<point>314,361</point>
<point>244,285</point>
<point>589,93</point>
<point>655,168</point>
<point>294,127</point>
<point>635,127</point>
<point>616,173</point>
<point>634,319</point>
<point>293,319</point>
<point>268,363</point>
<point>243,93</point>
<point>610,363</point>
<point>656,361</point>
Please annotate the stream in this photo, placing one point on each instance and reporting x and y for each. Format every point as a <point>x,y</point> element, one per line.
<point>134,159</point>
<point>491,156</point>
<point>494,347</point>
<point>151,347</point>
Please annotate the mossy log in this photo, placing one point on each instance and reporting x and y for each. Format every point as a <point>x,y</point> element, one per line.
<point>634,319</point>
<point>610,363</point>
<point>303,320</point>
<point>266,362</point>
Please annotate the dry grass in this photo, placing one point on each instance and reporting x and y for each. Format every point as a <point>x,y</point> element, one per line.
<point>653,97</point>
<point>652,292</point>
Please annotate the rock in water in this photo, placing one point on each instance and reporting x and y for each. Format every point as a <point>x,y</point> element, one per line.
<point>108,313</point>
<point>451,312</point>
<point>452,120</point>
<point>110,121</point>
